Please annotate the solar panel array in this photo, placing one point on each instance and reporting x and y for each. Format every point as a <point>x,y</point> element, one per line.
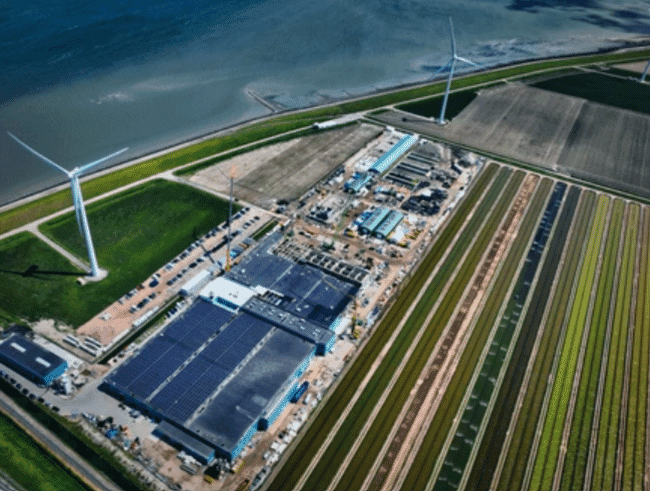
<point>188,390</point>
<point>164,354</point>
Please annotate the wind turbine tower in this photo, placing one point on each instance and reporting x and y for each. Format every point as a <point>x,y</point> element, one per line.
<point>80,210</point>
<point>450,64</point>
<point>645,72</point>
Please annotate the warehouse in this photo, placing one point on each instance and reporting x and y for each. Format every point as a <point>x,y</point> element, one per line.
<point>31,361</point>
<point>385,161</point>
<point>391,221</point>
<point>215,377</point>
<point>373,221</point>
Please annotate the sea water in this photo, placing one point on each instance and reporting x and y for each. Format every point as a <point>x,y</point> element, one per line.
<point>82,79</point>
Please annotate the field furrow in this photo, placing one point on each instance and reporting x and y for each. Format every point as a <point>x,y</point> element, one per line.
<point>487,383</point>
<point>420,471</point>
<point>361,464</point>
<point>546,460</point>
<point>521,445</point>
<point>634,462</point>
<point>495,434</point>
<point>300,459</point>
<point>603,476</point>
<point>579,440</point>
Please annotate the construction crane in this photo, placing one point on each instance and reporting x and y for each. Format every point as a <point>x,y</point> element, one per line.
<point>233,171</point>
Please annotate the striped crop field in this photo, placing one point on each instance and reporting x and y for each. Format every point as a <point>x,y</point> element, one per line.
<point>516,357</point>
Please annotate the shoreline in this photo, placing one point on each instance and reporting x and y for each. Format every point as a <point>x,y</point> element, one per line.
<point>625,45</point>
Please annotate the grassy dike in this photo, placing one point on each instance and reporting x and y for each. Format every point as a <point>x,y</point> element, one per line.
<point>52,203</point>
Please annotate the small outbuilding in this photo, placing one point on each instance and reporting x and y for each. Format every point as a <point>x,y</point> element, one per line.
<point>31,360</point>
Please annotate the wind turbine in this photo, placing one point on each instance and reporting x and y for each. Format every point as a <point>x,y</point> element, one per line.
<point>79,208</point>
<point>645,72</point>
<point>450,64</point>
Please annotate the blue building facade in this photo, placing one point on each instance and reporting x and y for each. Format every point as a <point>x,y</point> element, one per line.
<point>31,360</point>
<point>385,161</point>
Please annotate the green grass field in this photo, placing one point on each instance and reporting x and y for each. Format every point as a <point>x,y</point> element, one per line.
<point>431,107</point>
<point>135,233</point>
<point>602,88</point>
<point>30,465</point>
<point>35,280</point>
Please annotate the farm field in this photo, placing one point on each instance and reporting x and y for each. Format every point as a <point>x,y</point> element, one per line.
<point>286,170</point>
<point>132,240</point>
<point>587,140</point>
<point>499,367</point>
<point>31,466</point>
<point>603,89</point>
<point>430,108</point>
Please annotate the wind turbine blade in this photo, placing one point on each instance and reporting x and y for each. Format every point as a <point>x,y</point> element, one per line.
<point>443,67</point>
<point>83,168</point>
<point>453,39</point>
<point>43,157</point>
<point>465,60</point>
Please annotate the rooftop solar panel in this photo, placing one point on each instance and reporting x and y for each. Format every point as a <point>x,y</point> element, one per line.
<point>233,356</point>
<point>149,381</point>
<point>175,389</point>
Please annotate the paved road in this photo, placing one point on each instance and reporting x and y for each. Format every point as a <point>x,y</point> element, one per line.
<point>8,484</point>
<point>56,446</point>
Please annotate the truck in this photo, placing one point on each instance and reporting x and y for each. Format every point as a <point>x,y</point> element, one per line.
<point>299,392</point>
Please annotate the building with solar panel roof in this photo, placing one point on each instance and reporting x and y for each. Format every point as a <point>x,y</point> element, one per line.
<point>229,365</point>
<point>31,360</point>
<point>215,377</point>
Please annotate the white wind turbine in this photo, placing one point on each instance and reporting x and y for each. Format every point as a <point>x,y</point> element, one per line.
<point>645,72</point>
<point>450,64</point>
<point>79,208</point>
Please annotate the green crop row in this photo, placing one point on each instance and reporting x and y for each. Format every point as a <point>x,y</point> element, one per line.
<point>345,438</point>
<point>608,428</point>
<point>309,444</point>
<point>634,463</point>
<point>434,440</point>
<point>546,459</point>
<point>512,475</point>
<point>579,444</point>
<point>363,461</point>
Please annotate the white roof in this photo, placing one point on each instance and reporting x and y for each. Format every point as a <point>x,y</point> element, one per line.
<point>228,290</point>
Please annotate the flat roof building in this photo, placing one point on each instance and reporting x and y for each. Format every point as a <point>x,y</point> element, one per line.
<point>385,161</point>
<point>31,361</point>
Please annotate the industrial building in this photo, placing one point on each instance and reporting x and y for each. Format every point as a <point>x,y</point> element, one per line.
<point>31,361</point>
<point>385,161</point>
<point>374,220</point>
<point>229,365</point>
<point>356,184</point>
<point>389,223</point>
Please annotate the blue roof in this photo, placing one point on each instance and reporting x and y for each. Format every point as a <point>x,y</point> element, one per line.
<point>389,223</point>
<point>386,160</point>
<point>375,219</point>
<point>359,182</point>
<point>22,353</point>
